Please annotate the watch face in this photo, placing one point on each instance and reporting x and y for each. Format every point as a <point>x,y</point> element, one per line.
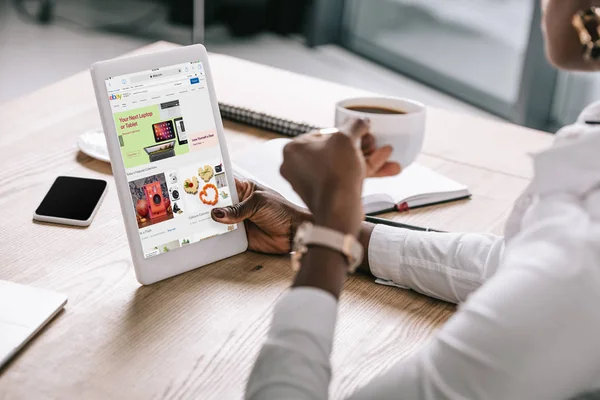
<point>299,247</point>
<point>300,238</point>
<point>321,236</point>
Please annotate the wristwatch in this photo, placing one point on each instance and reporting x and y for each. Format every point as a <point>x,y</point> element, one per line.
<point>587,25</point>
<point>309,234</point>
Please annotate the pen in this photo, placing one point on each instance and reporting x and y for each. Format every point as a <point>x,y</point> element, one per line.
<point>381,221</point>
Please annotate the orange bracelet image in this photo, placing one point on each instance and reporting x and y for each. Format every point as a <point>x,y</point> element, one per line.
<point>203,195</point>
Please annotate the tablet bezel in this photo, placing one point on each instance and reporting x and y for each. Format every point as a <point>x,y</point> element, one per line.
<point>192,256</point>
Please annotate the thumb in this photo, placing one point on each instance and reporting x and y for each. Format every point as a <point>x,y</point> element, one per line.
<point>236,213</point>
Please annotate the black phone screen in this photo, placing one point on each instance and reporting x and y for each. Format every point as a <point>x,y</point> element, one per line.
<point>72,198</point>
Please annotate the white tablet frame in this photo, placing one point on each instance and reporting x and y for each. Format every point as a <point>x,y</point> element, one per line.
<point>191,256</point>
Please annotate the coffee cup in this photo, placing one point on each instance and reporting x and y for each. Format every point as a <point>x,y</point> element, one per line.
<point>397,122</point>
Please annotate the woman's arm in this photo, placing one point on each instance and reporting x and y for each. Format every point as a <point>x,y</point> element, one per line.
<point>294,362</point>
<point>447,266</point>
<point>532,332</point>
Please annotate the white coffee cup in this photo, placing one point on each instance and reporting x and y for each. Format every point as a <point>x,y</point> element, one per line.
<point>404,132</point>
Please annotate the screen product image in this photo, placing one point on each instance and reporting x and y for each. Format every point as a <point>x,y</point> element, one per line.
<point>160,151</point>
<point>151,201</point>
<point>163,131</point>
<point>221,180</point>
<point>174,193</point>
<point>71,201</point>
<point>156,200</point>
<point>180,128</point>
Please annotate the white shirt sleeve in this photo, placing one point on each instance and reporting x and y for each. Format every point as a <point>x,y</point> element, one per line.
<point>447,266</point>
<point>294,361</point>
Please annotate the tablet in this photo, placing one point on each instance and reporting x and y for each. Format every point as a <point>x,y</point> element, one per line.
<point>167,186</point>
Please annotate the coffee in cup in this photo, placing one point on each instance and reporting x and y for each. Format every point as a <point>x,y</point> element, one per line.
<point>375,110</point>
<point>397,122</point>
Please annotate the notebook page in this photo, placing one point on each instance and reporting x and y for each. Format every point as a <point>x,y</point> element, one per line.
<point>262,164</point>
<point>414,181</point>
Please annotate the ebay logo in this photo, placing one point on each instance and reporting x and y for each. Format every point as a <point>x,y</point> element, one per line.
<point>115,97</point>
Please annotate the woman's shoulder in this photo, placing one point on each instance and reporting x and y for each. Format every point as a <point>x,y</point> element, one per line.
<point>590,115</point>
<point>587,124</point>
<point>572,163</point>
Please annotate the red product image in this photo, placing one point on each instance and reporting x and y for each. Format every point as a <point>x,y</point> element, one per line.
<point>142,208</point>
<point>155,200</point>
<point>205,196</point>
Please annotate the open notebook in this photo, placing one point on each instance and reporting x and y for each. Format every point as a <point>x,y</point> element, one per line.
<point>417,186</point>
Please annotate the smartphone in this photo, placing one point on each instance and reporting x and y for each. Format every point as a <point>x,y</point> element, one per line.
<point>71,201</point>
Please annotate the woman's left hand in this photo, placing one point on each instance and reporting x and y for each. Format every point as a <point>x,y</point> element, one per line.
<point>271,221</point>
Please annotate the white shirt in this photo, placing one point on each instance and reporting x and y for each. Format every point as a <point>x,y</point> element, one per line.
<point>528,326</point>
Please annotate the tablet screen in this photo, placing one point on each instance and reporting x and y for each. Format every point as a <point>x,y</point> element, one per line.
<point>174,182</point>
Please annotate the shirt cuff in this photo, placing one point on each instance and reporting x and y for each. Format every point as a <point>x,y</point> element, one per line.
<point>385,252</point>
<point>305,309</point>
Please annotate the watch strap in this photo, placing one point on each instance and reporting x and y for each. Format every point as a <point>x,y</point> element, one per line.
<point>313,235</point>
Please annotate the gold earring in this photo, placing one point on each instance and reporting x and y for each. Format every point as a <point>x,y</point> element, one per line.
<point>587,25</point>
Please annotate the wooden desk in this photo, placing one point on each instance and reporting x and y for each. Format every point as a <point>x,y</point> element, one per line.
<point>197,335</point>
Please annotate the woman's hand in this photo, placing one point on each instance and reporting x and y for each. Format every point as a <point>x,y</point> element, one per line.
<point>271,221</point>
<point>327,171</point>
<point>376,159</point>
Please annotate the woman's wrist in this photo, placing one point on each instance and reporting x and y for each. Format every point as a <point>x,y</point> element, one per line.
<point>341,211</point>
<point>324,269</point>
